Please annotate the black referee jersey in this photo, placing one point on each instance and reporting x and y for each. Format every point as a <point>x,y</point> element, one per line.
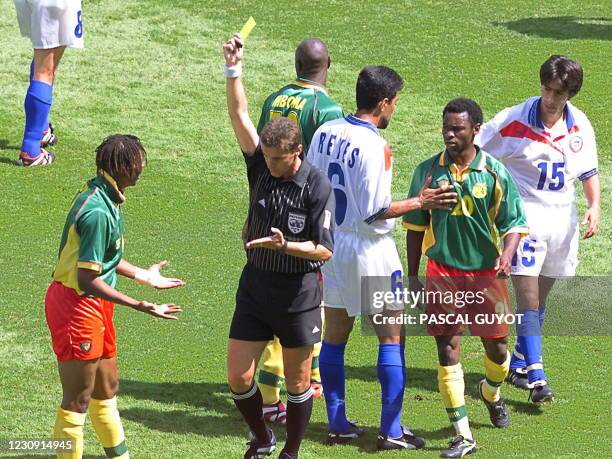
<point>302,207</point>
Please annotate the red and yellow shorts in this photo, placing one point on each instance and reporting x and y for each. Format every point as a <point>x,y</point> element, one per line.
<point>81,327</point>
<point>457,299</point>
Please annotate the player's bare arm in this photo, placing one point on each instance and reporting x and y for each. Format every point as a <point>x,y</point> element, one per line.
<point>504,262</point>
<point>151,276</point>
<point>309,250</point>
<point>414,242</point>
<point>592,192</point>
<point>429,198</point>
<point>237,106</point>
<point>91,284</point>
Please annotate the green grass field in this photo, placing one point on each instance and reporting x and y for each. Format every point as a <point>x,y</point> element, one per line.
<point>154,68</point>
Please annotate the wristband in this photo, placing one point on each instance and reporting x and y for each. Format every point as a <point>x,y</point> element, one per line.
<point>234,71</point>
<point>142,276</point>
<point>283,248</point>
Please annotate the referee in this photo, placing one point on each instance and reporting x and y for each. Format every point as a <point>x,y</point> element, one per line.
<point>290,234</point>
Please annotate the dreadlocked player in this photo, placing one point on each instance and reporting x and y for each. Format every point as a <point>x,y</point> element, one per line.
<point>81,299</point>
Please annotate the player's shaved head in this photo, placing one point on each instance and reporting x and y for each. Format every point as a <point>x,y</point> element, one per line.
<point>312,60</point>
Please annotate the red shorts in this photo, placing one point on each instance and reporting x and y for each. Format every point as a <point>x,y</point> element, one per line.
<point>457,299</point>
<point>81,327</point>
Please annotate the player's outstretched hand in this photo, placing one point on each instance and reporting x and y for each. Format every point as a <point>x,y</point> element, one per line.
<point>233,50</point>
<point>443,197</point>
<point>163,311</point>
<point>158,281</point>
<point>502,265</point>
<point>591,218</point>
<point>275,241</point>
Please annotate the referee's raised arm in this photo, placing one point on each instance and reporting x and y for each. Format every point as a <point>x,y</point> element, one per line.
<point>237,106</point>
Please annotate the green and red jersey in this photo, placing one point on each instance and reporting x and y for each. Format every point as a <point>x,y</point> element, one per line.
<point>488,207</point>
<point>93,234</point>
<point>304,102</point>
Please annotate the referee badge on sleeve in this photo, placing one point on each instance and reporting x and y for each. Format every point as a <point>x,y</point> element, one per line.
<point>296,222</point>
<point>327,219</point>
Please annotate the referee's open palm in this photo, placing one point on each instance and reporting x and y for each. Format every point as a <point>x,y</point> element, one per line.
<point>274,242</point>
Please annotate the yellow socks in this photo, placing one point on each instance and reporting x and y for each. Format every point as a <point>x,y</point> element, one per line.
<point>452,387</point>
<point>315,374</point>
<point>107,424</point>
<point>271,372</point>
<point>69,426</point>
<point>494,377</point>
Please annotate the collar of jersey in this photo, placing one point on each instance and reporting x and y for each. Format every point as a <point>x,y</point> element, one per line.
<point>477,164</point>
<point>359,122</point>
<point>106,183</point>
<point>304,83</point>
<point>535,119</point>
<point>300,177</point>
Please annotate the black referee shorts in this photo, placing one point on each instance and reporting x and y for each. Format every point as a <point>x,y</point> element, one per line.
<point>285,305</point>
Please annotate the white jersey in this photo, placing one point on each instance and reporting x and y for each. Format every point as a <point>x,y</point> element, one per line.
<point>544,163</point>
<point>51,23</point>
<point>357,161</point>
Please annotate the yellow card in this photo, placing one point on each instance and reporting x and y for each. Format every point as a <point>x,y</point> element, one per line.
<point>247,28</point>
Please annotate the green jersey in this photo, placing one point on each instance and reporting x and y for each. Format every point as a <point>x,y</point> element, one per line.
<point>304,102</point>
<point>93,234</point>
<point>488,207</point>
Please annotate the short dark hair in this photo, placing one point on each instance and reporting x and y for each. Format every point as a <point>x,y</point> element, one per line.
<point>464,105</point>
<point>121,155</point>
<point>375,83</point>
<point>569,72</point>
<point>281,133</point>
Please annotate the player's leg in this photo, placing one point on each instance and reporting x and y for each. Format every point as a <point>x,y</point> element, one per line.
<point>338,326</point>
<point>51,30</point>
<point>440,278</point>
<point>315,372</point>
<point>242,358</point>
<point>77,335</point>
<point>297,362</point>
<point>497,365</point>
<point>48,138</point>
<point>392,378</point>
<point>545,285</point>
<point>103,405</point>
<point>452,390</point>
<point>103,410</point>
<point>37,105</point>
<point>77,378</point>
<point>270,380</point>
<point>451,383</point>
<point>529,336</point>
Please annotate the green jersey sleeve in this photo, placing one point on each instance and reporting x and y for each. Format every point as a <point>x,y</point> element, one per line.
<point>93,229</point>
<point>417,220</point>
<point>265,112</point>
<point>510,217</point>
<point>329,113</point>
